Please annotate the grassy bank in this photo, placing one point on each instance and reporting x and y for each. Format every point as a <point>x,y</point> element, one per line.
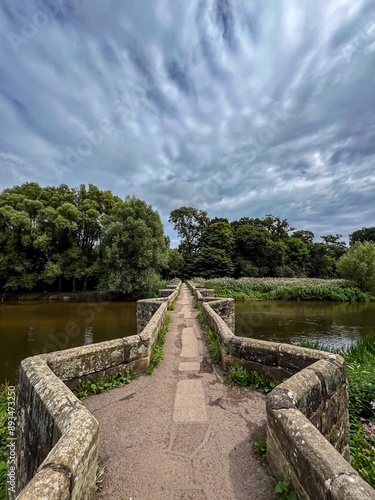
<point>285,289</point>
<point>360,360</point>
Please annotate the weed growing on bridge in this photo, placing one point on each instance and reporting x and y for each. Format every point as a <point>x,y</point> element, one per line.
<point>240,377</point>
<point>172,306</point>
<point>213,343</point>
<point>260,448</point>
<point>89,387</point>
<point>157,355</point>
<point>283,492</point>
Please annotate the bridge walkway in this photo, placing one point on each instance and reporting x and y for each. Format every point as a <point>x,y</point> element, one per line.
<point>181,433</point>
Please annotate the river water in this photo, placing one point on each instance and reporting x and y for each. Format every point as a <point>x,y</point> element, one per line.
<point>332,324</point>
<point>30,328</point>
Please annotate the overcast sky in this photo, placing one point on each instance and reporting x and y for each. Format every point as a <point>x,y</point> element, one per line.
<point>238,107</point>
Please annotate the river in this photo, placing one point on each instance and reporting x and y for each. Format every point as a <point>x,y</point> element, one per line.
<point>333,324</point>
<point>30,328</point>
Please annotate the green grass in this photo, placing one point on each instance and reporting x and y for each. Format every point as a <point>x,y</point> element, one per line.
<point>89,387</point>
<point>240,377</point>
<point>157,355</point>
<point>285,289</point>
<point>172,306</point>
<point>260,448</point>
<point>212,341</point>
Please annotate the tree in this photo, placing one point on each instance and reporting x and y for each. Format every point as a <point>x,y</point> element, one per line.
<point>134,248</point>
<point>362,235</point>
<point>213,263</point>
<point>306,236</point>
<point>189,223</point>
<point>297,255</point>
<point>175,264</point>
<point>280,228</point>
<point>255,246</point>
<point>358,265</point>
<point>218,235</point>
<point>321,262</point>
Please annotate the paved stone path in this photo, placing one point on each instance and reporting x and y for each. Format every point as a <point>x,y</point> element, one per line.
<point>181,434</point>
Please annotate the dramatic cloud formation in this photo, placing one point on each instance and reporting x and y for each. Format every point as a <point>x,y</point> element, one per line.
<point>238,107</point>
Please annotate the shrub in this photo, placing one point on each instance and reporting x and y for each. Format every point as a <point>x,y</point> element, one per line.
<point>358,265</point>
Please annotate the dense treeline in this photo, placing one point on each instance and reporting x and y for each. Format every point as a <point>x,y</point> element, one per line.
<point>62,238</point>
<point>73,239</point>
<point>254,247</point>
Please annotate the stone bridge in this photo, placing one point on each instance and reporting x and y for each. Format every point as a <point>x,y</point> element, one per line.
<point>182,433</point>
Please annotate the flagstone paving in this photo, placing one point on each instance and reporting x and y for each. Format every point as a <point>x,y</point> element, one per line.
<point>181,433</point>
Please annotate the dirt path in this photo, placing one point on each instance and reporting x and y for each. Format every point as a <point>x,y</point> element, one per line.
<point>181,434</point>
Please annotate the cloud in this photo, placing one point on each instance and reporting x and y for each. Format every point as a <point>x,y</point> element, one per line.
<point>241,109</point>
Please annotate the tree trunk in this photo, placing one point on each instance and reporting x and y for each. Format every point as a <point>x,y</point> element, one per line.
<point>74,285</point>
<point>60,283</point>
<point>85,284</point>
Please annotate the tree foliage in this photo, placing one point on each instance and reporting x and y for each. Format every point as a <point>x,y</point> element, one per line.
<point>135,248</point>
<point>189,223</point>
<point>53,237</point>
<point>362,235</point>
<point>358,265</point>
<point>256,247</point>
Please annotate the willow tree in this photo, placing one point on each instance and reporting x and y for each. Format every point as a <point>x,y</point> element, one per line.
<point>133,247</point>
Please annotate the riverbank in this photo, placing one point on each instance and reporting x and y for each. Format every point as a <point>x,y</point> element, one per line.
<point>285,289</point>
<point>87,296</point>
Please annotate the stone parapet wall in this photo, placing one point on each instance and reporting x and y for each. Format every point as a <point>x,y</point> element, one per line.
<point>57,438</point>
<point>307,414</point>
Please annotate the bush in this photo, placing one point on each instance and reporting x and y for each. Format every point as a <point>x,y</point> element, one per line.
<point>285,289</point>
<point>358,265</point>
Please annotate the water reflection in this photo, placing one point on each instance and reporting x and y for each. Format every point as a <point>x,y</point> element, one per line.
<point>89,335</point>
<point>31,334</point>
<point>332,324</point>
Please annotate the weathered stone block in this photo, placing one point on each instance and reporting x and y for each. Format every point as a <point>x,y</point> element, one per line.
<point>225,308</point>
<point>305,390</point>
<point>332,373</point>
<point>77,452</point>
<point>145,310</point>
<point>265,353</point>
<point>312,459</point>
<point>350,487</point>
<point>92,358</point>
<point>51,483</point>
<point>295,357</point>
